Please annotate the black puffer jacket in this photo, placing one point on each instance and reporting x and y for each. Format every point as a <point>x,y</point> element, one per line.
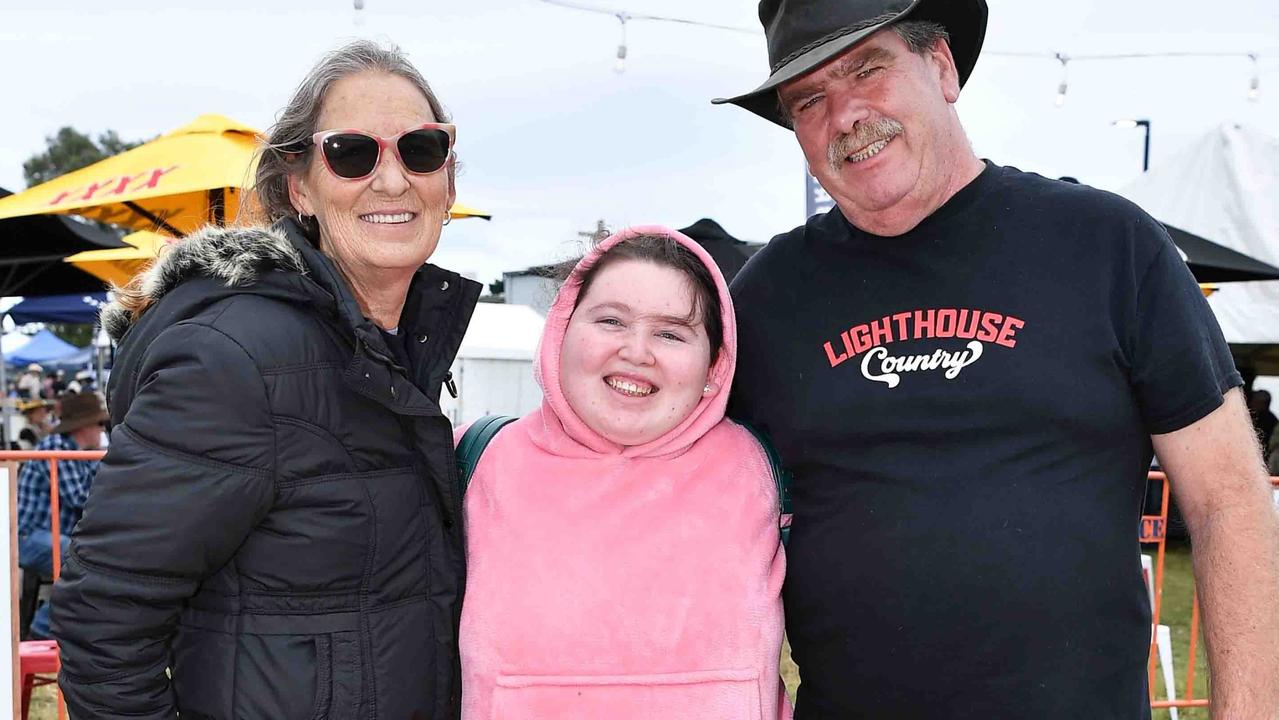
<point>276,520</point>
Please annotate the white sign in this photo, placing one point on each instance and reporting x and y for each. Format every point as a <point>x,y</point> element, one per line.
<point>9,596</point>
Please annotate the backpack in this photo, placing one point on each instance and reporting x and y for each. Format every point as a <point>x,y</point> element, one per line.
<point>478,435</point>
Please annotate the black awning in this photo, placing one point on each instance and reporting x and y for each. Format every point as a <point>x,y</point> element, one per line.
<point>32,248</point>
<point>729,253</point>
<point>1213,263</point>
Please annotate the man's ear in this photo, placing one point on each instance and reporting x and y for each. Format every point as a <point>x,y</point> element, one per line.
<point>947,73</point>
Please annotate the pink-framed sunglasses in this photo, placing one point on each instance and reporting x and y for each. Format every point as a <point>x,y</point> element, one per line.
<point>354,154</point>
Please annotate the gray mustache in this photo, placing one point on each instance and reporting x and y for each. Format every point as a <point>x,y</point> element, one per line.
<point>863,134</point>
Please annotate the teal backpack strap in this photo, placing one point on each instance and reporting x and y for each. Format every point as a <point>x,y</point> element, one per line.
<point>472,445</point>
<point>780,476</point>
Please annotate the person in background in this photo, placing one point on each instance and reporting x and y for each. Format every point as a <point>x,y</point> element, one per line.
<point>30,384</point>
<point>623,540</point>
<point>82,382</point>
<point>38,419</point>
<point>275,531</point>
<point>1263,420</point>
<point>81,426</point>
<point>966,367</point>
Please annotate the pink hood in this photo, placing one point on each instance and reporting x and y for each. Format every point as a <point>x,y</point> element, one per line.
<point>622,582</point>
<point>563,433</point>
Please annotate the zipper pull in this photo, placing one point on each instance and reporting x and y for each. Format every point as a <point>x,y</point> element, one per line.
<point>448,383</point>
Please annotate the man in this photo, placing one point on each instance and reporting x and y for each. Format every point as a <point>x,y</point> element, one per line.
<point>37,416</point>
<point>83,417</point>
<point>965,367</point>
<point>1263,420</point>
<point>30,384</point>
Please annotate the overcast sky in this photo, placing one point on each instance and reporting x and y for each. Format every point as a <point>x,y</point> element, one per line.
<point>553,139</point>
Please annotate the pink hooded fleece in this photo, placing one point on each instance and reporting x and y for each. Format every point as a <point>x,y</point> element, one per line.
<point>609,582</point>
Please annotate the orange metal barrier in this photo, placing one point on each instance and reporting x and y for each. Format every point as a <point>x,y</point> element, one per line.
<point>55,530</point>
<point>1154,530</point>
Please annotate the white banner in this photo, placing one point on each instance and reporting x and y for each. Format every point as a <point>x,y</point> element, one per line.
<point>9,665</point>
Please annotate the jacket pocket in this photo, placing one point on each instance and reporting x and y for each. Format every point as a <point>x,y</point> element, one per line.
<point>701,695</point>
<point>298,677</point>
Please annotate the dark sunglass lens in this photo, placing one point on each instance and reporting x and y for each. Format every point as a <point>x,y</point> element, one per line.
<point>350,155</point>
<point>424,151</point>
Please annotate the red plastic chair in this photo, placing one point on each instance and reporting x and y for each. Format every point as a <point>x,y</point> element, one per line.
<point>37,658</point>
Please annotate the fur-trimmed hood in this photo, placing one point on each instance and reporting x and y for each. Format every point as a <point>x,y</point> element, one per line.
<point>235,256</point>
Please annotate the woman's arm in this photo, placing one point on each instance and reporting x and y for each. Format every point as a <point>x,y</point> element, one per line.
<point>189,473</point>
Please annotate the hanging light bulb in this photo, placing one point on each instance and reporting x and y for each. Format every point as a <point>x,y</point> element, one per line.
<point>1061,87</point>
<point>619,66</point>
<point>1254,85</point>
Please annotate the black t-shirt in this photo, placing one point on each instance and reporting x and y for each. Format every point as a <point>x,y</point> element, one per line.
<point>967,409</point>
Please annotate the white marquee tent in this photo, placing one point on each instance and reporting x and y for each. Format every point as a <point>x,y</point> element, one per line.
<point>1225,187</point>
<point>494,367</point>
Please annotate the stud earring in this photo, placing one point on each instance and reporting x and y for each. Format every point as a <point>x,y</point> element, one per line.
<point>706,390</point>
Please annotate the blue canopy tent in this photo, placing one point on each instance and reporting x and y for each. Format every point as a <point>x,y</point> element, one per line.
<point>46,348</point>
<point>79,308</point>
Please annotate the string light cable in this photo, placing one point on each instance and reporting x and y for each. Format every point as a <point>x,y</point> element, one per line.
<point>623,17</point>
<point>1254,81</point>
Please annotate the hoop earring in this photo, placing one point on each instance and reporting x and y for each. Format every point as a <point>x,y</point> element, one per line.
<point>448,218</point>
<point>301,221</point>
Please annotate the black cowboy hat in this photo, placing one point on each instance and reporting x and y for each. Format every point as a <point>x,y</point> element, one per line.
<point>804,34</point>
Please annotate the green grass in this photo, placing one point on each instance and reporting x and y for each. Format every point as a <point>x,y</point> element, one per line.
<point>1175,614</point>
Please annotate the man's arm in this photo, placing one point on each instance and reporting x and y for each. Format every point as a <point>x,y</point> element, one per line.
<point>33,487</point>
<point>76,492</point>
<point>1223,491</point>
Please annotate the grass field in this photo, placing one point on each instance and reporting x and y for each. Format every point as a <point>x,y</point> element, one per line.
<point>1175,614</point>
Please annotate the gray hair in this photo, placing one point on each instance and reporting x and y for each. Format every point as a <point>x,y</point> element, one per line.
<point>297,121</point>
<point>919,35</point>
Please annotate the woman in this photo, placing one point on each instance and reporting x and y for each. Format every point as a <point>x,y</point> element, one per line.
<point>623,544</point>
<point>276,520</point>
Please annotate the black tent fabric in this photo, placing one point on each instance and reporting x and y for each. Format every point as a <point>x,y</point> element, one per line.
<point>729,253</point>
<point>32,249</point>
<point>1213,263</point>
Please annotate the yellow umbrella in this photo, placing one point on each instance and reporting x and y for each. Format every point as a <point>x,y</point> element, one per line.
<point>173,184</point>
<point>460,211</point>
<point>119,265</point>
<point>178,182</point>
